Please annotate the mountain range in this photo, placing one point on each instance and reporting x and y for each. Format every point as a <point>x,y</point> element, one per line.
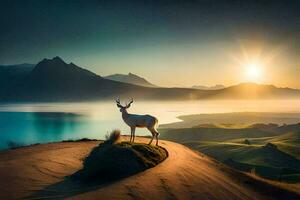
<point>55,80</point>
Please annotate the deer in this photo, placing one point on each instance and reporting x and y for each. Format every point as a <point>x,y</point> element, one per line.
<point>138,121</point>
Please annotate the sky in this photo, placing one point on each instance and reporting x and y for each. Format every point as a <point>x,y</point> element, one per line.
<point>172,43</point>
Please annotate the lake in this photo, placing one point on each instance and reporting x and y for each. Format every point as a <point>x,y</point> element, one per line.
<point>23,124</point>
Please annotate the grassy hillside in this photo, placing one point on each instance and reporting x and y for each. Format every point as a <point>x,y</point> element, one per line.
<point>286,142</point>
<point>213,134</point>
<point>268,150</point>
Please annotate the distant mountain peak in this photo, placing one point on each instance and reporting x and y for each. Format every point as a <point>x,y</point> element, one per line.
<point>57,57</point>
<point>56,60</point>
<point>203,87</point>
<point>130,78</point>
<point>57,67</point>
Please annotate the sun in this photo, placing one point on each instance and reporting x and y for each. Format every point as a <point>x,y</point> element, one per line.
<point>253,71</point>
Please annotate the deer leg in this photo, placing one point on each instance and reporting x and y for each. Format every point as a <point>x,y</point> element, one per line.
<point>153,134</point>
<point>133,134</point>
<point>151,140</point>
<point>131,131</point>
<point>151,130</point>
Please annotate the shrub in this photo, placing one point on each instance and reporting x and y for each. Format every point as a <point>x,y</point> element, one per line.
<point>113,137</point>
<point>109,161</point>
<point>246,141</point>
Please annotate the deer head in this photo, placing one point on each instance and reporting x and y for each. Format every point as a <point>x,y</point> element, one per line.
<point>123,108</point>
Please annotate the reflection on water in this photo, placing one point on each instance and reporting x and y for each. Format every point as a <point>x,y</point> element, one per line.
<point>54,123</point>
<point>41,123</point>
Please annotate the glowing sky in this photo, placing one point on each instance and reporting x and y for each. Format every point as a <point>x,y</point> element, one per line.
<point>171,43</point>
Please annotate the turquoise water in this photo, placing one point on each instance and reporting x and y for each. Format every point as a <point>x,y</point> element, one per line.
<point>23,124</point>
<point>22,128</point>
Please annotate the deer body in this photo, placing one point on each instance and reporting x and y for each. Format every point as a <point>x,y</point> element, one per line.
<point>140,121</point>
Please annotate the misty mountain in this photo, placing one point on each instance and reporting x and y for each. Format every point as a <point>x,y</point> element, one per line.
<point>256,91</point>
<point>130,78</point>
<point>56,80</point>
<point>9,74</point>
<point>203,87</point>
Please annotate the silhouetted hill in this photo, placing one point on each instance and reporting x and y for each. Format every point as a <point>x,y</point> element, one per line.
<point>56,67</point>
<point>55,72</point>
<point>130,78</point>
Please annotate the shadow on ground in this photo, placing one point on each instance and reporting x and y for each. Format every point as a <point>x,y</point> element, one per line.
<point>106,164</point>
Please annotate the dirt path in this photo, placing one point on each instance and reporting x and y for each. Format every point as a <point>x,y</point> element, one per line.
<point>184,175</point>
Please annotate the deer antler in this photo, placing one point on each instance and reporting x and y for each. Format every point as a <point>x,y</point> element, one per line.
<point>128,104</point>
<point>118,102</point>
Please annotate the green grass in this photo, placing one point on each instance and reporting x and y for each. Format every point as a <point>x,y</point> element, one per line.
<point>267,161</point>
<point>273,173</point>
<point>114,161</point>
<point>273,151</point>
<point>293,150</point>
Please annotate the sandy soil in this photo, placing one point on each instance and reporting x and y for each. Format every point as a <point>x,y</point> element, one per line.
<point>39,172</point>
